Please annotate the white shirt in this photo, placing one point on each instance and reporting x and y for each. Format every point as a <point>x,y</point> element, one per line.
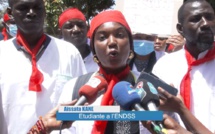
<point>173,67</point>
<point>90,65</point>
<point>60,62</point>
<point>160,54</point>
<point>3,126</point>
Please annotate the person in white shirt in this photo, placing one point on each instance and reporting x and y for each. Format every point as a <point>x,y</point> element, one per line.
<point>33,67</point>
<point>72,23</point>
<point>191,69</point>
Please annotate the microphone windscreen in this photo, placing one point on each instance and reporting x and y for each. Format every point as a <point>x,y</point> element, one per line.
<point>125,95</point>
<point>147,92</point>
<point>93,88</point>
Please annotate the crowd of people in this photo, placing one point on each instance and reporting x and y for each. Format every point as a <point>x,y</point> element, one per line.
<point>39,72</point>
<point>9,27</point>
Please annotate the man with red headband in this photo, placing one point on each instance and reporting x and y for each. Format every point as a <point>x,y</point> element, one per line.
<point>72,23</point>
<point>10,28</point>
<point>33,67</point>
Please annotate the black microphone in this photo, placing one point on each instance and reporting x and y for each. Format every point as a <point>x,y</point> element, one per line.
<point>148,93</point>
<point>149,96</point>
<point>91,90</point>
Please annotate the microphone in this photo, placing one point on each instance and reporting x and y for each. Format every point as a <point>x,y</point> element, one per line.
<point>91,90</point>
<point>130,98</point>
<point>148,94</point>
<point>149,97</point>
<point>124,94</point>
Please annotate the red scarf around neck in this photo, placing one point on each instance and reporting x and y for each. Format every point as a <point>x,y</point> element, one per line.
<point>185,86</point>
<point>100,126</point>
<point>4,33</point>
<point>36,77</point>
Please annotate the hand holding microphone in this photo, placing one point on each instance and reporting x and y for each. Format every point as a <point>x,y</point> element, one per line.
<point>172,103</point>
<point>170,124</point>
<point>91,90</point>
<point>169,102</point>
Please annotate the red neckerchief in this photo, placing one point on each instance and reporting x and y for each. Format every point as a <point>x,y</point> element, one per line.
<point>185,86</point>
<point>100,126</point>
<point>36,78</point>
<point>4,33</point>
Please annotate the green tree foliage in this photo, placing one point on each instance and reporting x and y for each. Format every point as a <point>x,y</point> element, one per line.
<point>89,8</point>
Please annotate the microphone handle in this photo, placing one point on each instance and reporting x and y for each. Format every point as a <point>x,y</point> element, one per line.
<point>157,126</point>
<point>81,101</point>
<point>157,129</point>
<point>151,106</point>
<point>138,107</point>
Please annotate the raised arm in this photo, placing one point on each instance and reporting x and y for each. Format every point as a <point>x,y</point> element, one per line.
<point>172,103</point>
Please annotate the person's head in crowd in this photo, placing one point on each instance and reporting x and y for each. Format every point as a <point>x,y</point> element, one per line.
<point>160,43</point>
<point>29,17</point>
<point>10,28</point>
<point>196,23</point>
<point>72,23</point>
<point>143,44</point>
<point>147,51</point>
<point>111,41</point>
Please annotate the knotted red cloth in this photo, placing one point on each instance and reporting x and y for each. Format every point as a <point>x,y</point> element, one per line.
<point>185,86</point>
<point>36,77</point>
<point>70,13</point>
<point>6,17</point>
<point>4,33</point>
<point>100,126</point>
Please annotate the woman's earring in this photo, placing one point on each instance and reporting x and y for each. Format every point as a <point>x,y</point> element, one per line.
<point>131,56</point>
<point>95,59</point>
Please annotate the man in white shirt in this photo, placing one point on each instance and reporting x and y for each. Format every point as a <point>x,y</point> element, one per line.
<point>33,68</point>
<point>191,69</point>
<point>72,23</point>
